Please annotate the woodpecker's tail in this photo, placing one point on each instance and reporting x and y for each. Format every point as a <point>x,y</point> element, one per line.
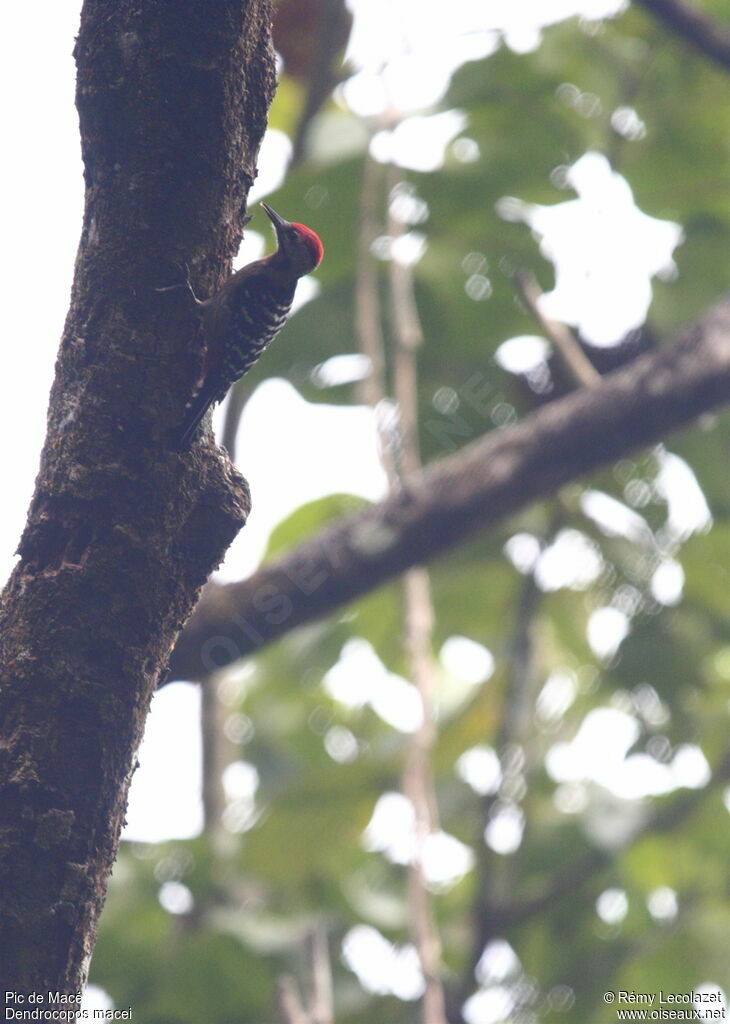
<point>195,412</point>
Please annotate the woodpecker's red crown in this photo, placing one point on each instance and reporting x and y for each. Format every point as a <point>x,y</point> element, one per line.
<point>298,245</point>
<point>313,241</point>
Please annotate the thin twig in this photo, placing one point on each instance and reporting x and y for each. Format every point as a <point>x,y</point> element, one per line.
<point>212,739</point>
<point>237,398</point>
<point>574,359</point>
<point>288,1002</point>
<point>371,389</point>
<point>408,338</point>
<point>497,918</point>
<point>496,886</point>
<point>418,786</point>
<point>321,1009</point>
<point>663,820</point>
<point>334,26</point>
<point>400,455</point>
<point>418,622</point>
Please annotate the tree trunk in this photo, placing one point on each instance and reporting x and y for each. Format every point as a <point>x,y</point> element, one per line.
<point>122,533</point>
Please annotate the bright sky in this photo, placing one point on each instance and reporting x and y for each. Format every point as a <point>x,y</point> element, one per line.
<point>404,59</point>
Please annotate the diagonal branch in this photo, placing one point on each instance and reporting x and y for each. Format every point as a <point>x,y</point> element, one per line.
<point>456,497</point>
<point>577,364</point>
<point>669,816</point>
<point>497,918</point>
<point>709,36</point>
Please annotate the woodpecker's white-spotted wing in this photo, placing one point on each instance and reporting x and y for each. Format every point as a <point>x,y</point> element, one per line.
<point>239,322</point>
<point>257,309</point>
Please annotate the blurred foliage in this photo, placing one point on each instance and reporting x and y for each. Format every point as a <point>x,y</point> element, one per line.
<point>296,855</point>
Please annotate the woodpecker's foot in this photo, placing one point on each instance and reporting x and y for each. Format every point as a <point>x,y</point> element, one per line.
<point>189,286</point>
<point>183,284</point>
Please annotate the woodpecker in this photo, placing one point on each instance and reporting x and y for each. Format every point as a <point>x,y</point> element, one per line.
<point>240,320</point>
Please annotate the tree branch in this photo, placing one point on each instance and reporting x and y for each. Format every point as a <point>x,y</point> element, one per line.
<point>669,816</point>
<point>319,1009</point>
<point>121,533</point>
<point>576,363</point>
<point>496,919</point>
<point>371,388</point>
<point>710,37</point>
<point>417,627</point>
<point>237,398</point>
<point>333,31</point>
<point>289,1002</point>
<point>459,495</point>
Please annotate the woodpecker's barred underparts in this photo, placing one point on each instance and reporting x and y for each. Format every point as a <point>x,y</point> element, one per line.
<point>248,312</point>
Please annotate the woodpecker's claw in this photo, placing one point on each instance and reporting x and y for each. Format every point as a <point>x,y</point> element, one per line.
<point>183,284</point>
<point>189,286</point>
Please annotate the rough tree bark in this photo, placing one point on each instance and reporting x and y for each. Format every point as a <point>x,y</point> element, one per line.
<point>470,491</point>
<point>121,533</point>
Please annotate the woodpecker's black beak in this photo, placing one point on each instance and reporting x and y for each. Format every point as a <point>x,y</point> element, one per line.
<point>280,225</point>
